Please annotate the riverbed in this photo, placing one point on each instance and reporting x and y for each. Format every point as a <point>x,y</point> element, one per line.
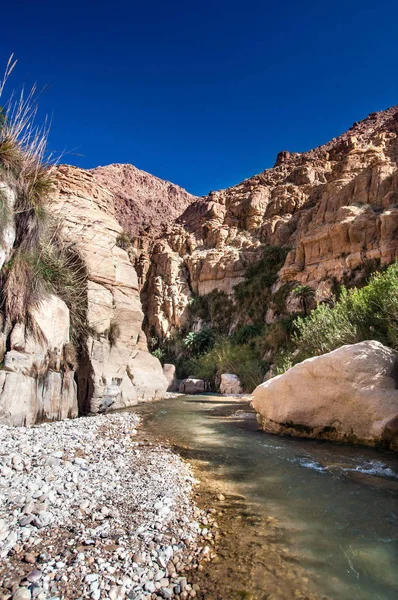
<point>298,518</point>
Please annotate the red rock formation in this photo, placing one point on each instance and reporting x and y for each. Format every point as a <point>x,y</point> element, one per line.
<point>143,202</point>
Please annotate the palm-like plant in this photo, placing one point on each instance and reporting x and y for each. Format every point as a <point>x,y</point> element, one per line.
<point>306,295</point>
<point>199,342</point>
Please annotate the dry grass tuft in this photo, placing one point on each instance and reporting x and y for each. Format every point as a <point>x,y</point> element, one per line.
<point>113,332</point>
<point>41,261</point>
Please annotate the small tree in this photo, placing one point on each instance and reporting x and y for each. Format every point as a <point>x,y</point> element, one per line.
<point>306,295</point>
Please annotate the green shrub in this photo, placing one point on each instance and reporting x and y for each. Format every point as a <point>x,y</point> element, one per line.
<point>41,262</point>
<point>360,314</point>
<point>199,342</point>
<point>306,296</point>
<point>227,357</point>
<point>253,294</point>
<point>159,353</point>
<point>248,332</point>
<point>123,240</point>
<point>216,309</point>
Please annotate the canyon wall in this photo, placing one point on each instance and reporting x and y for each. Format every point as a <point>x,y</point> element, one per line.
<point>143,203</point>
<point>37,377</point>
<point>148,243</point>
<point>117,368</point>
<point>335,208</point>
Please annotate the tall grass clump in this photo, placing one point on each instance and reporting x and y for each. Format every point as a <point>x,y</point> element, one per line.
<point>41,262</point>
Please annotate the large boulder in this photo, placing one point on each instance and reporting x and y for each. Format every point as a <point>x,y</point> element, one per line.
<point>230,384</point>
<point>190,385</point>
<point>169,371</point>
<point>348,395</point>
<point>37,381</point>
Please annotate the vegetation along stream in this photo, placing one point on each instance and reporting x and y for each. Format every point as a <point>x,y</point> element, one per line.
<point>298,518</point>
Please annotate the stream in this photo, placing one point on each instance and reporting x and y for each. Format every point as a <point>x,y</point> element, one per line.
<point>301,518</point>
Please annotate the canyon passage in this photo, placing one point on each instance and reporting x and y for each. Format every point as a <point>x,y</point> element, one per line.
<point>307,519</point>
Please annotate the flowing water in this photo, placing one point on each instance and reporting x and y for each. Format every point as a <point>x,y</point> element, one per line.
<point>335,505</point>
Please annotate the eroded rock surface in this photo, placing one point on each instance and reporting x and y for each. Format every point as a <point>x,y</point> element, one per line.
<point>350,394</point>
<point>230,384</point>
<point>142,201</point>
<point>118,370</point>
<point>335,208</point>
<point>37,381</point>
<point>190,385</point>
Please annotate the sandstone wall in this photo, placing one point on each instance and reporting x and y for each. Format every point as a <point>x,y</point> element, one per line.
<point>37,380</point>
<point>118,369</point>
<point>335,208</point>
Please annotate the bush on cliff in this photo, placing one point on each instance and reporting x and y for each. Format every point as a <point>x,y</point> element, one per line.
<point>253,294</point>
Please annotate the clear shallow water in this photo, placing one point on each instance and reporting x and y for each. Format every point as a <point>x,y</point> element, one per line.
<point>337,504</point>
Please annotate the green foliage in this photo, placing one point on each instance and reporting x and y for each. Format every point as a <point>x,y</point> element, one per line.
<point>248,332</point>
<point>227,357</point>
<point>253,295</point>
<point>216,309</point>
<point>280,296</point>
<point>199,342</point>
<point>360,314</point>
<point>306,295</point>
<point>159,353</point>
<point>279,333</point>
<point>41,263</point>
<point>123,240</point>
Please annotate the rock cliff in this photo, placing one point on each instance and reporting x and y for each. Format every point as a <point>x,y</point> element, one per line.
<point>335,208</point>
<point>37,381</point>
<point>117,369</point>
<point>142,202</point>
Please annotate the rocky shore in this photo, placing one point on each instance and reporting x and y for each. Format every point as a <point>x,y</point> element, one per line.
<point>86,511</point>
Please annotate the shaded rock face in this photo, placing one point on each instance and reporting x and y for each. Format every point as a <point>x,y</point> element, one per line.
<point>118,370</point>
<point>349,395</point>
<point>37,382</point>
<point>190,385</point>
<point>230,384</point>
<point>7,238</point>
<point>142,201</point>
<point>335,208</point>
<point>169,371</point>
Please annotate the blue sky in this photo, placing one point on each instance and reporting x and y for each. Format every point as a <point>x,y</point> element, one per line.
<point>201,93</point>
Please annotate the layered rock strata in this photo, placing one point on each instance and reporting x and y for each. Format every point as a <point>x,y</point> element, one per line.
<point>118,370</point>
<point>335,208</point>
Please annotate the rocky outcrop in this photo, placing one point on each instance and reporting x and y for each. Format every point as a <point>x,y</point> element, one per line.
<point>142,201</point>
<point>230,384</point>
<point>169,371</point>
<point>190,385</point>
<point>349,395</point>
<point>37,381</point>
<point>335,208</point>
<point>117,370</point>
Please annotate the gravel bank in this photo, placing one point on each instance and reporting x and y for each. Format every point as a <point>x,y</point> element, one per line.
<point>88,512</point>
